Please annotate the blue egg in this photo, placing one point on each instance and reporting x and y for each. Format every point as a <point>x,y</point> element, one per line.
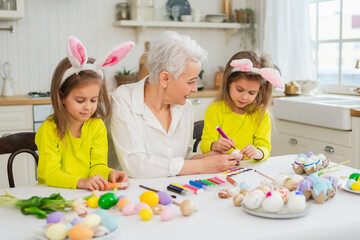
<point>314,176</point>
<point>110,222</point>
<point>244,185</point>
<point>121,196</point>
<point>68,225</point>
<point>328,184</point>
<point>76,220</point>
<point>302,155</point>
<point>101,212</point>
<point>349,182</point>
<point>320,186</point>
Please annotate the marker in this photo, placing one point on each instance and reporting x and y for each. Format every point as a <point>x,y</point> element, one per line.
<point>196,184</point>
<point>223,134</point>
<point>195,189</point>
<point>154,190</point>
<point>177,190</point>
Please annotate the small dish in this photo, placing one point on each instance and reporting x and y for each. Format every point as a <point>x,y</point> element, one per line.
<point>349,190</point>
<point>283,214</point>
<point>215,18</point>
<point>185,8</point>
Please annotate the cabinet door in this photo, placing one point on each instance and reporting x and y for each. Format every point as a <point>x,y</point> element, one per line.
<point>199,106</point>
<point>335,153</point>
<point>283,144</point>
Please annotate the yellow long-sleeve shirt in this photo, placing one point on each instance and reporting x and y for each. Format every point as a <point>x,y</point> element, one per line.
<point>244,129</point>
<point>63,163</point>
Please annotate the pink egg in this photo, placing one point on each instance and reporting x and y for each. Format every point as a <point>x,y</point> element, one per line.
<point>128,209</point>
<point>166,214</point>
<point>141,206</point>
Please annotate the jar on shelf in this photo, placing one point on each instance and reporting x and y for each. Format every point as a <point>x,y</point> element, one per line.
<point>123,11</point>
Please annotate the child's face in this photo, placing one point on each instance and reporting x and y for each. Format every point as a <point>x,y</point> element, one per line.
<point>243,92</point>
<point>81,103</point>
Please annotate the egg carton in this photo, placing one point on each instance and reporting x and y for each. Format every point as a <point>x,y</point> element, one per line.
<point>302,169</point>
<point>322,197</point>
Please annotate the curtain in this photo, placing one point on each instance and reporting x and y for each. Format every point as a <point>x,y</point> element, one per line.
<point>287,38</point>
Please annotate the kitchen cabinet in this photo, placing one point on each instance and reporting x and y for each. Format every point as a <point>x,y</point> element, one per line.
<point>14,119</point>
<point>12,10</point>
<point>294,138</point>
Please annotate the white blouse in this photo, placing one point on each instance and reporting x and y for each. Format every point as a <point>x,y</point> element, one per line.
<point>142,146</point>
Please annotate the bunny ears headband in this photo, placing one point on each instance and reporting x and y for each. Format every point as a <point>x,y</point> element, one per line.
<point>270,74</point>
<point>77,56</point>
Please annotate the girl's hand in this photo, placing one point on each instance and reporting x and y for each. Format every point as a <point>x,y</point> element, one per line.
<point>252,152</point>
<point>222,145</point>
<point>219,163</point>
<point>119,176</point>
<point>96,182</point>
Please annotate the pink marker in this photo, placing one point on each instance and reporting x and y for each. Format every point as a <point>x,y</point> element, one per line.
<point>223,134</point>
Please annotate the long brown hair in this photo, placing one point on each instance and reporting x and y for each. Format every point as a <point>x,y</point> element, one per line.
<point>58,93</point>
<point>263,97</point>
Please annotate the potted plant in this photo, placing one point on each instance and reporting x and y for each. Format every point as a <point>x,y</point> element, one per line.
<point>124,77</point>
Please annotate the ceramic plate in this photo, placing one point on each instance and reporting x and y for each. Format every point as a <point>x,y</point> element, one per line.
<point>284,213</point>
<point>349,190</point>
<point>185,8</point>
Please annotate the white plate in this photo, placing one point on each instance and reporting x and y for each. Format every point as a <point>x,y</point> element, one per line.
<point>349,190</point>
<point>284,213</point>
<point>39,234</point>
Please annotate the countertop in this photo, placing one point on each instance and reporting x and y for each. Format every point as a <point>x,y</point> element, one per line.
<point>23,100</point>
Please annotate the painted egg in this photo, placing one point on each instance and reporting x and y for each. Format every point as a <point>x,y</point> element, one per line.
<point>333,180</point>
<point>101,212</point>
<point>166,214</point>
<point>328,184</point>
<point>273,204</point>
<point>309,163</point>
<point>355,176</point>
<point>349,183</point>
<point>244,192</point>
<point>140,206</point>
<point>92,220</point>
<point>238,152</point>
<point>280,179</point>
<point>238,198</point>
<point>108,200</point>
<point>297,178</point>
<point>319,187</point>
<point>274,193</point>
<point>322,158</point>
<point>300,160</point>
<point>314,176</point>
<point>76,220</point>
<point>128,209</point>
<point>187,207</point>
<point>56,231</point>
<point>355,186</point>
<point>146,214</point>
<point>122,202</point>
<point>290,184</point>
<point>157,209</point>
<point>80,231</point>
<point>244,185</point>
<point>121,196</point>
<point>100,231</point>
<point>68,225</point>
<point>254,199</point>
<point>317,161</point>
<point>150,198</point>
<point>296,203</point>
<point>296,194</point>
<point>110,222</point>
<point>54,217</point>
<point>93,202</point>
<point>284,193</point>
<point>302,155</point>
<point>309,154</point>
<point>164,198</point>
<point>306,183</point>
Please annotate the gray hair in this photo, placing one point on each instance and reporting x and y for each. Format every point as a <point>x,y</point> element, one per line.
<point>171,53</point>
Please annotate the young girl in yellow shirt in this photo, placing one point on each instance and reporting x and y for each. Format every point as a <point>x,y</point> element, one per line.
<point>240,109</point>
<point>72,143</point>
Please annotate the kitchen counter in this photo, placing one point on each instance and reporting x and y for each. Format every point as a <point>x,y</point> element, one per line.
<point>355,112</point>
<point>23,100</point>
<point>204,93</point>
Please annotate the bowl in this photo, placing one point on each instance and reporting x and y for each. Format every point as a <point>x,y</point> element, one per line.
<point>215,18</point>
<point>186,18</point>
<point>308,86</point>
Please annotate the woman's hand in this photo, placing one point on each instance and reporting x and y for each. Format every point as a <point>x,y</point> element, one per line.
<point>96,182</point>
<point>220,163</point>
<point>119,176</point>
<point>222,145</point>
<point>252,152</point>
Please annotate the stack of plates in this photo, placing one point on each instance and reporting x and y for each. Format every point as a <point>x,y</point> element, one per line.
<point>215,18</point>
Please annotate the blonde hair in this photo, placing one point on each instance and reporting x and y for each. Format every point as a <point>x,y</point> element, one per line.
<point>263,97</point>
<point>58,94</point>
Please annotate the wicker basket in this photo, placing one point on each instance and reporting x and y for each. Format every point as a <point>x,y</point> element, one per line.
<point>125,79</point>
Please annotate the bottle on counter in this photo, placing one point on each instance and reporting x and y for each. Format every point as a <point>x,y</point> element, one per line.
<point>123,11</point>
<point>143,63</point>
<point>227,9</point>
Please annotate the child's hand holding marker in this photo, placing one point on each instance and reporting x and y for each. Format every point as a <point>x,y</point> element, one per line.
<point>224,143</point>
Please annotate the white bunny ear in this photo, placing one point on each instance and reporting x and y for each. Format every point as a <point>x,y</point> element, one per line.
<point>243,64</point>
<point>76,52</point>
<point>115,56</point>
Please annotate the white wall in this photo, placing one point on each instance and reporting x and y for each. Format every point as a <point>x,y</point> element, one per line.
<point>38,43</point>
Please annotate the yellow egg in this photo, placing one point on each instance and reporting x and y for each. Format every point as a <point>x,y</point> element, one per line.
<point>146,214</point>
<point>80,232</point>
<point>356,186</point>
<point>122,202</point>
<point>92,220</point>
<point>56,231</point>
<point>93,202</point>
<point>151,198</point>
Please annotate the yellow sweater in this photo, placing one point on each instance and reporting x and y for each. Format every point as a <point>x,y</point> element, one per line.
<point>244,129</point>
<point>63,163</point>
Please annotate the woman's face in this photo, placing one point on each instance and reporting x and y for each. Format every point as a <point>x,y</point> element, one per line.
<point>243,92</point>
<point>179,90</point>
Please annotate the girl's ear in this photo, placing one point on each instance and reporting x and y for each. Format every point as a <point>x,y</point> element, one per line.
<point>164,78</point>
<point>115,55</point>
<point>76,52</point>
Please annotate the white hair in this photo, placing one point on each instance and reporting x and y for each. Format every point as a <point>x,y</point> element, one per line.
<point>171,53</point>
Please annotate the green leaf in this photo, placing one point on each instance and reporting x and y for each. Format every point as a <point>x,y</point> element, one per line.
<point>35,211</point>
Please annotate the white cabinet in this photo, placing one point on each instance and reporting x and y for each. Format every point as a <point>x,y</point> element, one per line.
<point>294,138</point>
<point>15,119</point>
<point>11,9</point>
<point>200,106</point>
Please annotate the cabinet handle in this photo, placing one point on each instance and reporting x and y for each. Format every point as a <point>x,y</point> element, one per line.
<point>329,149</point>
<point>196,101</point>
<point>293,141</point>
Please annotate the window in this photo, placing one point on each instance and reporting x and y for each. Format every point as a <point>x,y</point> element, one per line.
<point>335,36</point>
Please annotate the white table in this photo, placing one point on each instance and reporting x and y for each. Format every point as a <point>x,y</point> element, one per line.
<point>337,218</point>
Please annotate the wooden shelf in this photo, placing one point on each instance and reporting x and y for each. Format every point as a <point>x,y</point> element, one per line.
<point>140,26</point>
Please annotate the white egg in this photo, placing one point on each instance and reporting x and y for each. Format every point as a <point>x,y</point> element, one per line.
<point>280,179</point>
<point>317,161</point>
<point>299,161</point>
<point>297,178</point>
<point>273,203</point>
<point>254,199</point>
<point>92,220</point>
<point>296,204</point>
<point>309,163</point>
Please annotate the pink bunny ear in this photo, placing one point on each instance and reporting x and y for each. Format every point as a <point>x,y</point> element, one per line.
<point>115,56</point>
<point>76,52</point>
<point>243,64</point>
<point>273,76</point>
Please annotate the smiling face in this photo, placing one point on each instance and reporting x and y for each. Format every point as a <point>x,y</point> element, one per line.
<point>243,92</point>
<point>82,101</point>
<point>178,90</point>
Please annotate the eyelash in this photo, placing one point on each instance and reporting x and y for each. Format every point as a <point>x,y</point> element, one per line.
<point>240,90</point>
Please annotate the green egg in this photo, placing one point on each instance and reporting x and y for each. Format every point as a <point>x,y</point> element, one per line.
<point>354,176</point>
<point>108,200</point>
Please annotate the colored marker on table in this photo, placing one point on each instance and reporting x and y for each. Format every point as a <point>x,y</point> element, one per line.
<point>177,190</point>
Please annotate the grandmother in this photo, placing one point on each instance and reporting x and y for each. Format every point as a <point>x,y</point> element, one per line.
<point>152,122</point>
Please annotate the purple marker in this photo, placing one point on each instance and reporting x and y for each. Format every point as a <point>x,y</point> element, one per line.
<point>221,132</point>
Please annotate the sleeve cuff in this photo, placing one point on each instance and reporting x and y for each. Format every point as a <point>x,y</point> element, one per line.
<point>265,152</point>
<point>176,164</point>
